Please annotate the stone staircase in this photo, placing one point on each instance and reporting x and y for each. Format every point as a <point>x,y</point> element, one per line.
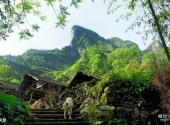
<point>53,117</point>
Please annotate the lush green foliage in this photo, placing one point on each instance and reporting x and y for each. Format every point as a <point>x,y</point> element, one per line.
<point>113,65</point>
<point>94,115</point>
<point>90,112</point>
<point>16,13</point>
<point>145,18</point>
<point>6,72</point>
<point>154,18</point>
<point>152,21</point>
<point>100,59</point>
<point>41,61</point>
<point>12,109</point>
<point>48,62</point>
<point>91,62</point>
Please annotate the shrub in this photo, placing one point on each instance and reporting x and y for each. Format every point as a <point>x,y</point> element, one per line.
<point>13,109</point>
<point>108,78</point>
<point>94,114</point>
<point>90,113</point>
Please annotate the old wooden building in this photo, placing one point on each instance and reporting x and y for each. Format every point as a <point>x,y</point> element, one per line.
<point>34,87</point>
<point>80,78</point>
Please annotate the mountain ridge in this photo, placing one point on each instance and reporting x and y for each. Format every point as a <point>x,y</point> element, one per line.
<point>41,61</point>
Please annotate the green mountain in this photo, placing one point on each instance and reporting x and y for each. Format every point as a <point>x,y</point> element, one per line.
<point>99,60</point>
<point>119,43</point>
<point>84,38</point>
<point>44,61</point>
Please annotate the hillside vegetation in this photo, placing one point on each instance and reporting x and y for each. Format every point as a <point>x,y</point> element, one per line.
<point>128,64</point>
<point>44,61</point>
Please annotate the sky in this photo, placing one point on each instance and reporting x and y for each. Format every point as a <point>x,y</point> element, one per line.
<point>90,15</point>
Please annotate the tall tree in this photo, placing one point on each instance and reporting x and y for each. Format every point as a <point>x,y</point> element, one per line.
<point>154,19</point>
<point>160,32</point>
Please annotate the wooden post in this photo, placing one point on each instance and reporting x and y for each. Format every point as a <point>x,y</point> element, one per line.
<point>31,97</point>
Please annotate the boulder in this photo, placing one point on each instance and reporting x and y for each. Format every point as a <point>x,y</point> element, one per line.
<point>106,108</point>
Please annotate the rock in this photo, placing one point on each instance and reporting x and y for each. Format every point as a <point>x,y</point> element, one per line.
<point>124,112</point>
<point>103,114</point>
<point>136,112</point>
<point>99,123</point>
<point>144,114</point>
<point>106,90</point>
<point>86,102</point>
<point>106,108</point>
<point>21,110</point>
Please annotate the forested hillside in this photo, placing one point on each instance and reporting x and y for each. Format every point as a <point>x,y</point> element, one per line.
<point>44,61</point>
<point>126,63</point>
<point>6,72</point>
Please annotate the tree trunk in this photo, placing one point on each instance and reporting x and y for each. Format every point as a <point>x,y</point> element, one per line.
<point>159,30</point>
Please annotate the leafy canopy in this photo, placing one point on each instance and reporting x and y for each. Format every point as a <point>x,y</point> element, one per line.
<point>15,13</point>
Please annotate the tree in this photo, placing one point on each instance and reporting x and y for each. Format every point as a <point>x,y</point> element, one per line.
<point>132,71</point>
<point>160,32</point>
<point>119,58</point>
<point>5,72</point>
<point>16,13</point>
<point>148,66</point>
<point>155,17</point>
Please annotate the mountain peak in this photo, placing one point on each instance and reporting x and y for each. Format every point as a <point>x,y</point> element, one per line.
<point>79,31</point>
<point>82,38</point>
<point>77,28</point>
<point>155,45</point>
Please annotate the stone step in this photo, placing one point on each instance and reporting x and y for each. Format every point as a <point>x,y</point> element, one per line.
<point>46,109</point>
<point>58,123</point>
<point>53,119</point>
<point>46,116</point>
<point>54,109</point>
<point>51,112</point>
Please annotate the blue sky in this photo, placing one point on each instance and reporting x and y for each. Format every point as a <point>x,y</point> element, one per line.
<point>90,15</point>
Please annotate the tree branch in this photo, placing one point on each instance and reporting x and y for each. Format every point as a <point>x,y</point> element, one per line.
<point>156,20</point>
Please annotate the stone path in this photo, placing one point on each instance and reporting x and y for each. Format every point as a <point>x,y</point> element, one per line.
<point>53,117</point>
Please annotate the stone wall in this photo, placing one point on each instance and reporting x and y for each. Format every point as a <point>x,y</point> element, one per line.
<point>136,108</point>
